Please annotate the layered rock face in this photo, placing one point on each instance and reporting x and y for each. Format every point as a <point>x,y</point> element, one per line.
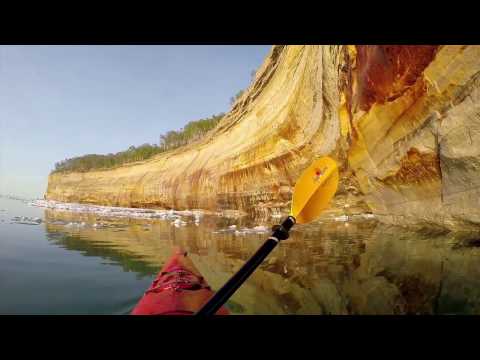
<point>252,159</point>
<point>414,115</point>
<point>402,121</point>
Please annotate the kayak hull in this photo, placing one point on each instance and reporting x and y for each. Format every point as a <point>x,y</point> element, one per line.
<point>179,289</point>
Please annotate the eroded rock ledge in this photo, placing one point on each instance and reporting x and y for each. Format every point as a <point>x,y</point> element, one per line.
<point>403,122</point>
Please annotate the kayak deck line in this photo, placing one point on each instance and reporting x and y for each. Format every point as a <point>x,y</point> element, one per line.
<point>178,289</point>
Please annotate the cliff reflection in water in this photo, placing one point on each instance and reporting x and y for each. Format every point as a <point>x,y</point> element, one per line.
<point>332,268</point>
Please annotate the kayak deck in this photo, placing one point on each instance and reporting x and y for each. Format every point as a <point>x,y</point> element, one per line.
<point>179,289</point>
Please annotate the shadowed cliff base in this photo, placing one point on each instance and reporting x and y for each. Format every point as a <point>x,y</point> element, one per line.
<point>402,122</point>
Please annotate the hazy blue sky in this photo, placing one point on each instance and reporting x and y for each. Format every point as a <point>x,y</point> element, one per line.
<point>58,102</point>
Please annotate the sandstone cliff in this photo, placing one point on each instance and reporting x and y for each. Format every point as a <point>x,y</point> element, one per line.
<point>403,122</point>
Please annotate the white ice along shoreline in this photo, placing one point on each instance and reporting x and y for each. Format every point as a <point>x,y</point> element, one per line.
<point>175,216</point>
<point>121,212</point>
<point>25,220</point>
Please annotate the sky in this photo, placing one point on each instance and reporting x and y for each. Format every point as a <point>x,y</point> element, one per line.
<point>58,102</point>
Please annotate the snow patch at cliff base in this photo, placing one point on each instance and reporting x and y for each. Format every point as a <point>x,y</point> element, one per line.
<point>120,212</point>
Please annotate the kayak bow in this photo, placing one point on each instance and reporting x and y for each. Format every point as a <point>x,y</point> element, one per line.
<point>179,289</point>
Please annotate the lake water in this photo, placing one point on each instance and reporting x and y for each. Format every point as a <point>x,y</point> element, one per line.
<point>354,267</point>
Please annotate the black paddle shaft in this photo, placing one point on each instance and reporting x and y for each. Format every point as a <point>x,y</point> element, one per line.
<point>280,232</point>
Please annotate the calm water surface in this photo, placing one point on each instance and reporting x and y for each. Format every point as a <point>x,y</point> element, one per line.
<point>359,267</point>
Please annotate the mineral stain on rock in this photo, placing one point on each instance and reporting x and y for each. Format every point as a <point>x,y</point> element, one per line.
<point>415,167</point>
<point>385,72</point>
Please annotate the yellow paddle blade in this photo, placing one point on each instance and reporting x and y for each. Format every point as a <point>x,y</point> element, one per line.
<point>314,190</point>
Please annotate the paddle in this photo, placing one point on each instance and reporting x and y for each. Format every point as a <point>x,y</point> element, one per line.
<point>311,195</point>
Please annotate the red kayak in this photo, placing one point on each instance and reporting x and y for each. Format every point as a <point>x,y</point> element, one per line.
<point>179,289</point>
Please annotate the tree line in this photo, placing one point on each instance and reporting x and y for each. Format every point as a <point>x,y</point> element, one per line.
<point>193,131</point>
